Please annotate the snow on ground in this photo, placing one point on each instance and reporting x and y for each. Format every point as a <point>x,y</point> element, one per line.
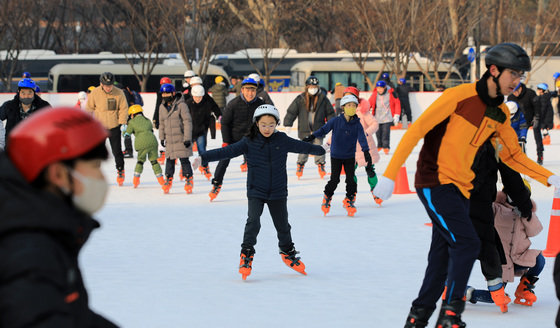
<point>171,260</point>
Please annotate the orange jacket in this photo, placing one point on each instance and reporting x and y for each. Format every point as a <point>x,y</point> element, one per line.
<point>453,128</point>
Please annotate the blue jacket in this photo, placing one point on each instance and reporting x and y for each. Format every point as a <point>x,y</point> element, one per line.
<point>266,162</point>
<point>519,124</point>
<point>344,136</point>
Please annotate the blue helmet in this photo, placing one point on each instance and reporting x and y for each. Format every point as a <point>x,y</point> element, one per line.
<point>27,83</point>
<point>542,86</point>
<point>250,81</point>
<point>26,75</point>
<point>385,76</point>
<point>555,75</point>
<point>167,88</point>
<point>37,89</point>
<point>402,80</point>
<point>381,84</point>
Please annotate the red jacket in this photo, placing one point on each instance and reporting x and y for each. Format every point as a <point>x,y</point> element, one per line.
<point>394,103</point>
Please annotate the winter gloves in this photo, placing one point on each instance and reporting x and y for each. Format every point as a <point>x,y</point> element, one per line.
<point>384,188</point>
<point>196,162</point>
<point>309,138</point>
<point>554,180</point>
<point>396,119</point>
<point>187,143</point>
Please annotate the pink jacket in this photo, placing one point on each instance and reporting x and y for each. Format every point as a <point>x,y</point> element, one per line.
<point>370,125</point>
<point>514,232</point>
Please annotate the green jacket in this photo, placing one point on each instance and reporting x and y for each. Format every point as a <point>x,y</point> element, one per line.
<point>141,127</point>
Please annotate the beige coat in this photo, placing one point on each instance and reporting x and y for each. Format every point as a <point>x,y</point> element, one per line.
<point>111,109</point>
<point>175,127</point>
<point>514,232</point>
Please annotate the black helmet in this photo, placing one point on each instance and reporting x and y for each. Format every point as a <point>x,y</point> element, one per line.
<point>508,55</point>
<point>312,80</point>
<point>107,78</point>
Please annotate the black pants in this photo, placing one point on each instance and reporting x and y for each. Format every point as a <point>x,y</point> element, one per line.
<point>128,144</point>
<point>482,217</point>
<point>538,139</point>
<point>116,149</point>
<point>185,165</point>
<point>336,168</point>
<point>454,248</point>
<point>220,171</point>
<point>405,108</point>
<point>384,135</point>
<point>278,211</point>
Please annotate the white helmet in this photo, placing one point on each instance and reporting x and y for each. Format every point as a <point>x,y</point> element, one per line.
<point>196,80</point>
<point>348,99</point>
<point>513,107</point>
<point>189,73</point>
<point>255,77</point>
<point>82,95</point>
<point>197,90</point>
<point>266,109</point>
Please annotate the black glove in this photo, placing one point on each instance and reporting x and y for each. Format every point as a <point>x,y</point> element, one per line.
<point>370,171</point>
<point>187,143</point>
<point>367,157</point>
<point>309,138</point>
<point>526,210</point>
<point>162,143</point>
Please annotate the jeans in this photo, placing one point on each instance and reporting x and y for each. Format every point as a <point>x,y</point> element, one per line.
<point>201,145</point>
<point>535,270</point>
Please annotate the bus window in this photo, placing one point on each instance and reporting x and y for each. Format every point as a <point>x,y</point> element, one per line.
<point>323,79</point>
<point>297,79</point>
<point>336,77</point>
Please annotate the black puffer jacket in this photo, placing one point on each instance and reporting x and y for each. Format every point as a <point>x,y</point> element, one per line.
<point>11,113</point>
<point>40,239</point>
<point>238,118</point>
<point>526,102</point>
<point>201,114</point>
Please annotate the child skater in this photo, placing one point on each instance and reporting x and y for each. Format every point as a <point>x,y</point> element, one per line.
<point>266,151</point>
<point>514,231</point>
<point>175,134</point>
<point>346,130</point>
<point>145,143</point>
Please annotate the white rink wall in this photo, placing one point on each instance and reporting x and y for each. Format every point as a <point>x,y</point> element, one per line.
<point>419,101</point>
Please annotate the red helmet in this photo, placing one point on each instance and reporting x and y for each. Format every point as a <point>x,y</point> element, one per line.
<point>164,80</point>
<point>52,135</point>
<point>353,90</point>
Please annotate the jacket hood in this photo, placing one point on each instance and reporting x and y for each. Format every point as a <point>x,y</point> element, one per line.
<point>26,208</point>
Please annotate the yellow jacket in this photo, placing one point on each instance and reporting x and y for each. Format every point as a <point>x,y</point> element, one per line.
<point>111,109</point>
<point>453,128</point>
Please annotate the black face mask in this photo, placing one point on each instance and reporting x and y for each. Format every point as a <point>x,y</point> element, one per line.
<point>167,99</point>
<point>26,101</point>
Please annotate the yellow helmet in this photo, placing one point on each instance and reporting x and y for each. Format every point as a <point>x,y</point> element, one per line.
<point>90,89</point>
<point>218,79</point>
<point>557,84</point>
<point>134,109</point>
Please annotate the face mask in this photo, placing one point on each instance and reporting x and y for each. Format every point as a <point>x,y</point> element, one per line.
<point>93,195</point>
<point>313,91</point>
<point>350,111</point>
<point>26,101</point>
<point>167,99</point>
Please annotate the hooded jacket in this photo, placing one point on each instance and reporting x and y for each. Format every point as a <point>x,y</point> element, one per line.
<point>323,112</point>
<point>41,236</point>
<point>175,127</point>
<point>10,111</point>
<point>111,109</point>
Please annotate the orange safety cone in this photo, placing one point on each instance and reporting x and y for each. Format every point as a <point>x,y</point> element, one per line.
<point>401,183</point>
<point>553,241</point>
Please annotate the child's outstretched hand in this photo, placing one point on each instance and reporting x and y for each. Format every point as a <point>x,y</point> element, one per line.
<point>326,147</point>
<point>196,162</point>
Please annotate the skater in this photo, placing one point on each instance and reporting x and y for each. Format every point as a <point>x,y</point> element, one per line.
<point>267,151</point>
<point>236,122</point>
<point>453,128</point>
<point>145,143</point>
<point>313,110</point>
<point>109,106</point>
<point>386,109</point>
<point>403,90</point>
<point>175,135</point>
<point>515,229</point>
<point>544,107</point>
<point>518,123</point>
<point>525,99</point>
<point>219,93</point>
<point>204,112</point>
<point>52,184</point>
<point>346,131</point>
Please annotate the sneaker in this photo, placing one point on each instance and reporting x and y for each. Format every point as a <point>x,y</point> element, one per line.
<point>299,171</point>
<point>167,185</point>
<point>292,261</point>
<point>215,191</point>
<point>348,204</point>
<point>136,180</point>
<point>326,206</point>
<point>524,294</point>
<point>120,177</point>
<point>189,185</point>
<point>501,299</point>
<point>246,262</point>
<point>321,169</point>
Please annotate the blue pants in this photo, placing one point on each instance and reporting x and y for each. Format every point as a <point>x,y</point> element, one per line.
<point>201,145</point>
<point>454,248</point>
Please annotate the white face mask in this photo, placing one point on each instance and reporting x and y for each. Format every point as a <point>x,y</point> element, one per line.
<point>93,195</point>
<point>313,91</point>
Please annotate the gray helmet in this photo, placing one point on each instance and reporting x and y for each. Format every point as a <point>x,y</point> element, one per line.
<point>508,55</point>
<point>107,78</point>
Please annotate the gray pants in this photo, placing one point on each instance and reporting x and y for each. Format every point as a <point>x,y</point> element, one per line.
<point>302,158</point>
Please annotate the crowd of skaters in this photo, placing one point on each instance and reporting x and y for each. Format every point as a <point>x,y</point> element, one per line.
<point>249,127</point>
